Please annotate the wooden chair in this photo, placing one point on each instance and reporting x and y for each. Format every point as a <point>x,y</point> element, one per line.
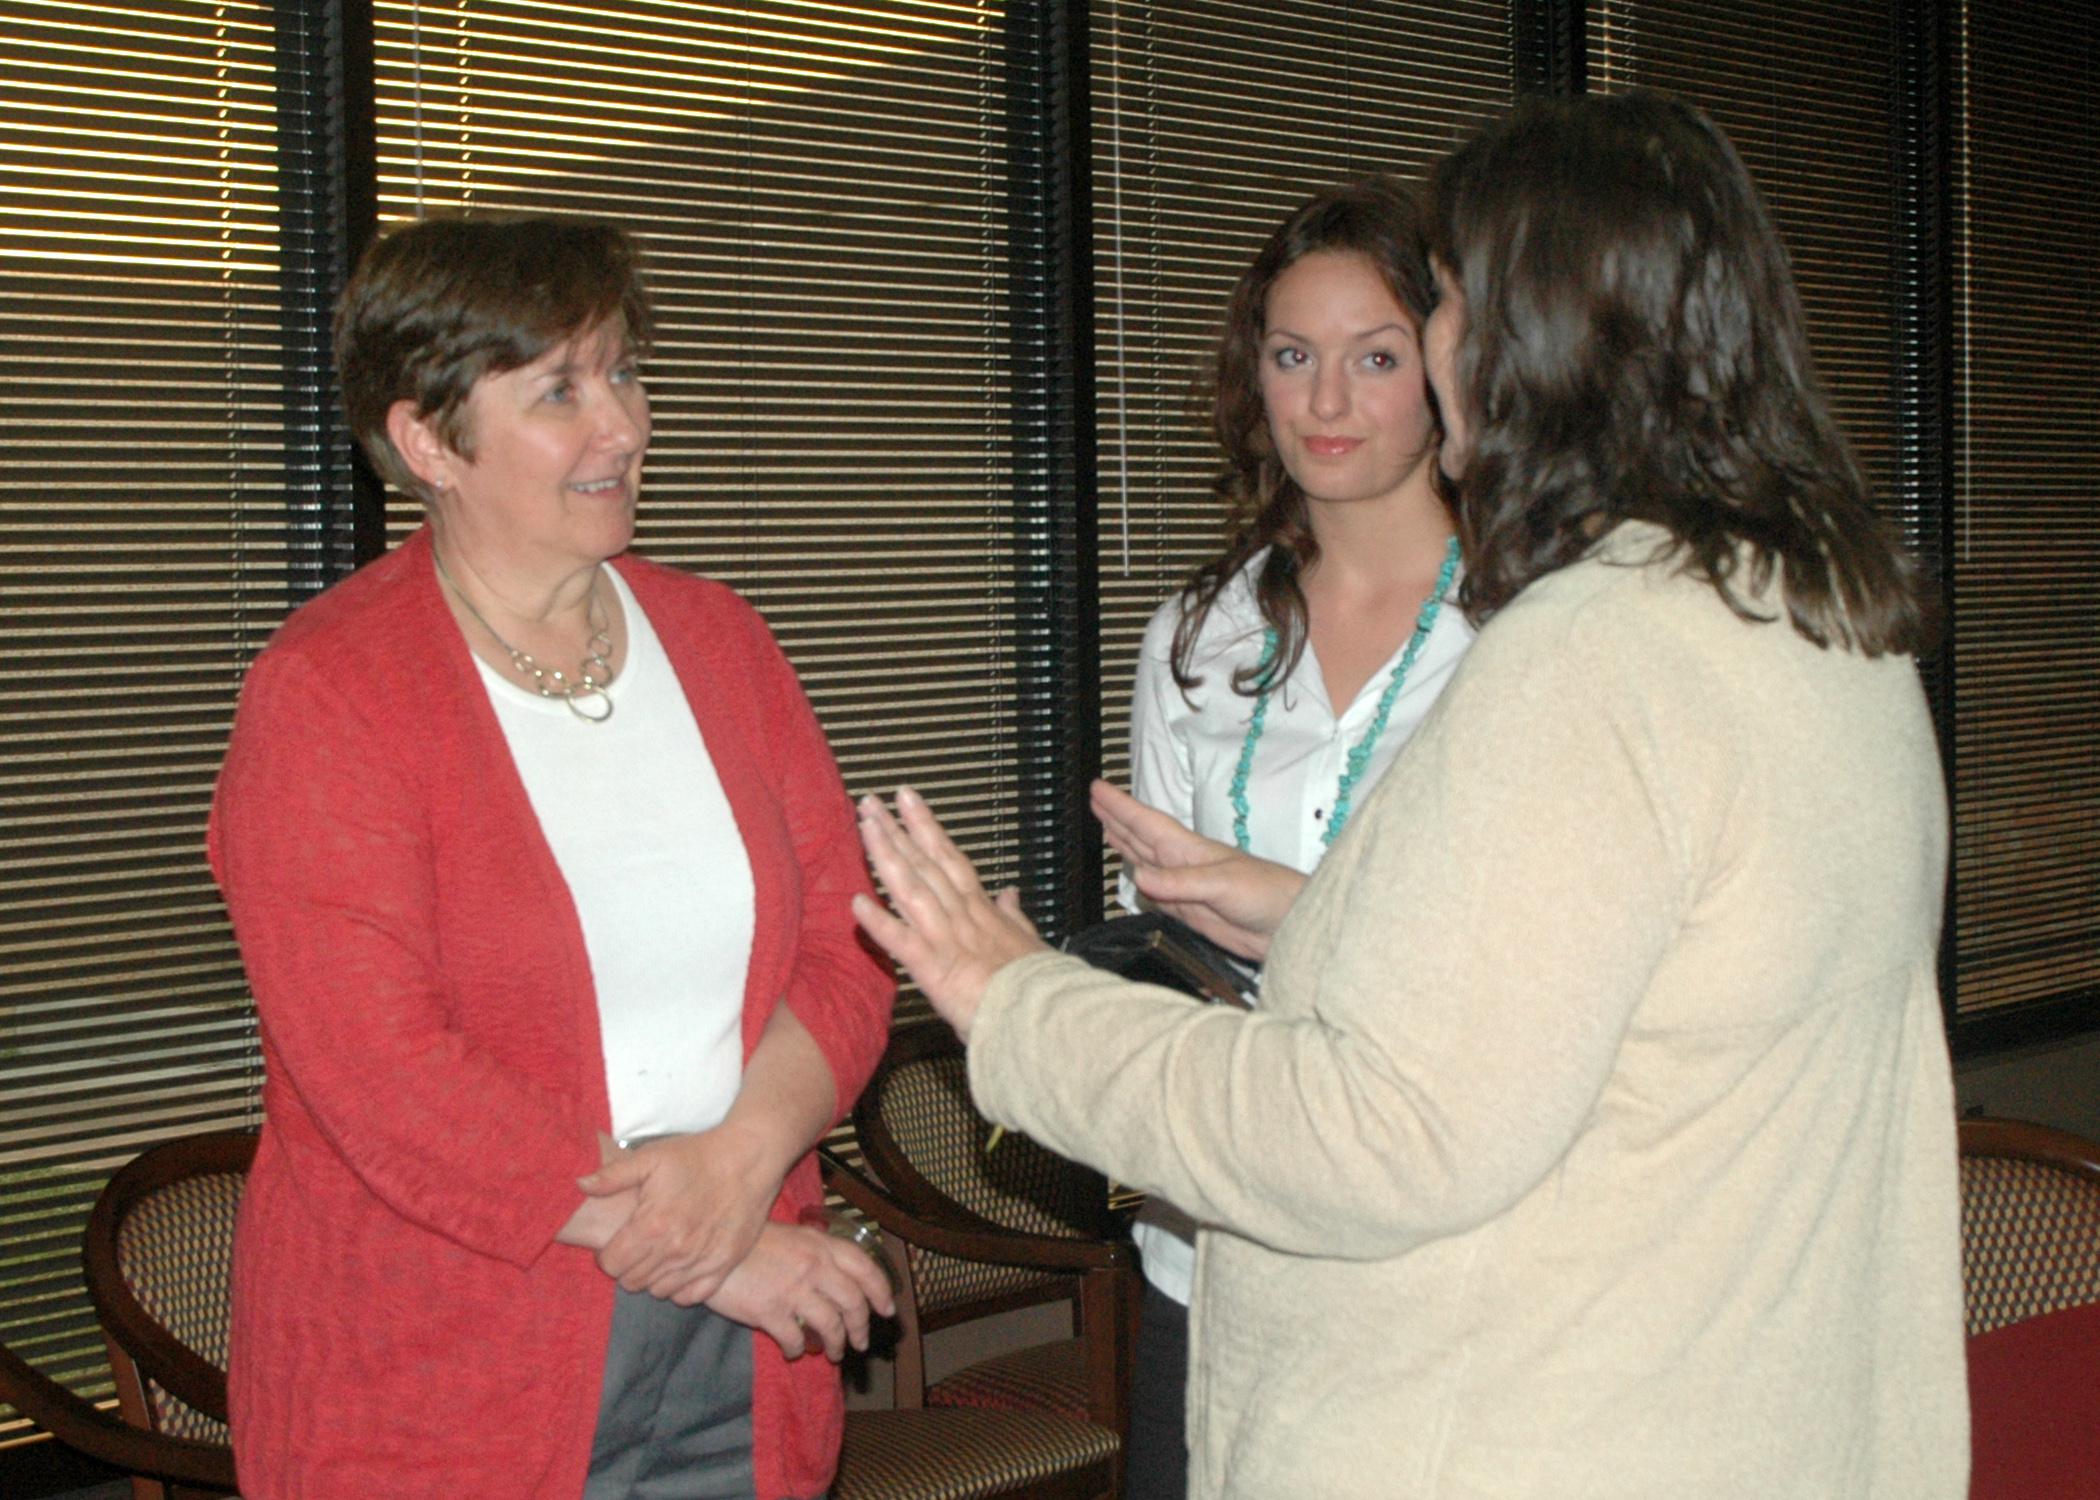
<point>193,1467</point>
<point>159,1260</point>
<point>918,1451</point>
<point>981,1232</point>
<point>2031,1284</point>
<point>2030,1221</point>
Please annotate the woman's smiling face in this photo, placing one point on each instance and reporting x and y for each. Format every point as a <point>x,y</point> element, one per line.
<point>1342,380</point>
<point>556,451</point>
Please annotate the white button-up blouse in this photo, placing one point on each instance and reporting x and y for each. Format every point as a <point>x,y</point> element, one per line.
<point>1184,748</point>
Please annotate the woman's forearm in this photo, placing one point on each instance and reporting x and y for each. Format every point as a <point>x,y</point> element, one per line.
<point>784,1104</point>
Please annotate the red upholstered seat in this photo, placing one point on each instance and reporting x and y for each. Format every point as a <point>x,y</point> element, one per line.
<point>2034,1407</point>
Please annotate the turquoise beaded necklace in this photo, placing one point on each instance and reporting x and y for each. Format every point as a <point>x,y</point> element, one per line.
<point>1360,752</point>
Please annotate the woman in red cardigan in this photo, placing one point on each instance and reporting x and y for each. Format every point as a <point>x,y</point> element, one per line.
<point>540,869</point>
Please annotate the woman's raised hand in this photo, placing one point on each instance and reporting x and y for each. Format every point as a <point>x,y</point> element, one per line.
<point>941,927</point>
<point>1234,899</point>
<point>805,1288</point>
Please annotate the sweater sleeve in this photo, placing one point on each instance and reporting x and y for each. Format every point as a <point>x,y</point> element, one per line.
<point>1443,1007</point>
<point>838,988</point>
<point>320,843</point>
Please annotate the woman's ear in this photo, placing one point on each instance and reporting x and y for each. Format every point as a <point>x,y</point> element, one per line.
<point>428,456</point>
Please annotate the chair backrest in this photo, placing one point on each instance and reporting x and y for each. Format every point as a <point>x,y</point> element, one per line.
<point>2030,1221</point>
<point>926,1142</point>
<point>159,1259</point>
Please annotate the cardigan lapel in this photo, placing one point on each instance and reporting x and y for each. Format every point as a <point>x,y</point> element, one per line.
<point>477,748</point>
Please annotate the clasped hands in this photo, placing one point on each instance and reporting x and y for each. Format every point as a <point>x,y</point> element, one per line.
<point>685,1217</point>
<point>951,937</point>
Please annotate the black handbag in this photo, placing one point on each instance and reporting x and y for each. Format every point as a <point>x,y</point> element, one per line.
<point>1153,948</point>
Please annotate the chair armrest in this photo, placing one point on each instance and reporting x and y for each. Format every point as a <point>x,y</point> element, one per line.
<point>1005,1247</point>
<point>1985,1135</point>
<point>161,1357</point>
<point>83,1426</point>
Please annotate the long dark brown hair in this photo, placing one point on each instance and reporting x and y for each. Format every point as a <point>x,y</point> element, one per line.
<point>1379,219</point>
<point>1633,349</point>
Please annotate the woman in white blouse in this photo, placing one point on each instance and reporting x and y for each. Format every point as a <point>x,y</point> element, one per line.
<point>1281,682</point>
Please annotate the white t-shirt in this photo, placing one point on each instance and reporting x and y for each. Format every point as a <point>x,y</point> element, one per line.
<point>646,840</point>
<point>1185,749</point>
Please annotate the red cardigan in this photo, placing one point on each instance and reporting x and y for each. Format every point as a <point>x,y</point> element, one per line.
<point>403,1322</point>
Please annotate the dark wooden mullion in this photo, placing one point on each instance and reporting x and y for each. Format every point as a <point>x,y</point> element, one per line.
<point>1057,618</point>
<point>359,114</point>
<point>1923,265</point>
<point>328,210</point>
<point>1548,50</point>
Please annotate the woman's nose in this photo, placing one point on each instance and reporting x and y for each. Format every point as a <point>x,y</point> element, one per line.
<point>1330,391</point>
<point>623,418</point>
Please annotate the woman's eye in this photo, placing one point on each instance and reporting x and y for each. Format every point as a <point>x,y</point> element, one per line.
<point>1380,359</point>
<point>626,374</point>
<point>560,391</point>
<point>1288,358</point>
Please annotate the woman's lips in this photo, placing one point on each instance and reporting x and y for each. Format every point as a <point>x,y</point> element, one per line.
<point>1331,447</point>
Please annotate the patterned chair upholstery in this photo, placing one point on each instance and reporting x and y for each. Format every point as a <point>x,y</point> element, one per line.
<point>981,1231</point>
<point>159,1261</point>
<point>2030,1221</point>
<point>927,1453</point>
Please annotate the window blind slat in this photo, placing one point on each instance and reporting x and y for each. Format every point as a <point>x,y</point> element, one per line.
<point>2026,783</point>
<point>823,209</point>
<point>140,336</point>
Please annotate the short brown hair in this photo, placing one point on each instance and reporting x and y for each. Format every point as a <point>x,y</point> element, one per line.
<point>436,304</point>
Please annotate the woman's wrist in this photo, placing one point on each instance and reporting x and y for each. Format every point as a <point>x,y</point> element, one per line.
<point>765,1147</point>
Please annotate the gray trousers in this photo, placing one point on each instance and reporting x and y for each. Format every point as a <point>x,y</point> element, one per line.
<point>674,1418</point>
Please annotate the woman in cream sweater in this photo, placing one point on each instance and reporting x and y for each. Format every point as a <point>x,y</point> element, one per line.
<point>1595,1136</point>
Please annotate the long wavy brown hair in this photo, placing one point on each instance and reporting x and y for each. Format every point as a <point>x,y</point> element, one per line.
<point>1634,350</point>
<point>1380,219</point>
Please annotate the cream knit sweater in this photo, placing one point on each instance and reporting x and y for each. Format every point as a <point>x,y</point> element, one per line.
<point>1595,1137</point>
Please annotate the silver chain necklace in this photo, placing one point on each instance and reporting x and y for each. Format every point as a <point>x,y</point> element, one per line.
<point>585,693</point>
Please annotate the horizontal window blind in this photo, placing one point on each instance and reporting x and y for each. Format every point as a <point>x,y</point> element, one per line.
<point>1807,94</point>
<point>142,562</point>
<point>1210,123</point>
<point>821,194</point>
<point>2025,537</point>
